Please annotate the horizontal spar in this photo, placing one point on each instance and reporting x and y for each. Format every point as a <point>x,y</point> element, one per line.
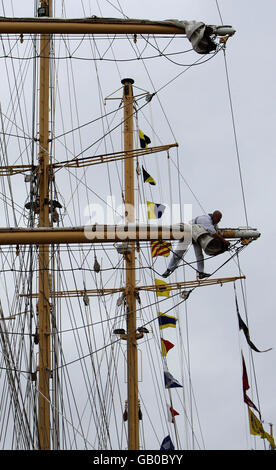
<point>94,25</point>
<point>240,233</point>
<point>191,284</point>
<point>91,234</point>
<point>152,288</point>
<point>109,233</point>
<point>9,170</point>
<point>85,26</point>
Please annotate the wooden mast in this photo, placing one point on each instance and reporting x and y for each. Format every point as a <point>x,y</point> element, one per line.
<point>44,366</point>
<point>132,370</point>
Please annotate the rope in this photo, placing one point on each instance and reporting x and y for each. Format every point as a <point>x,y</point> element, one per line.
<point>233,121</point>
<point>235,138</point>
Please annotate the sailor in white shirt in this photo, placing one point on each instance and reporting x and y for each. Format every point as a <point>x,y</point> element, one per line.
<point>209,223</point>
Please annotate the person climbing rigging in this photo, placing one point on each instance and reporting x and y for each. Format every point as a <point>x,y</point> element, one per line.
<point>209,224</point>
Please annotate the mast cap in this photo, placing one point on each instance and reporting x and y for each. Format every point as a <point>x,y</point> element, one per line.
<point>125,80</point>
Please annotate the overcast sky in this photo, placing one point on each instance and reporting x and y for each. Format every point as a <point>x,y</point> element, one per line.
<point>198,110</point>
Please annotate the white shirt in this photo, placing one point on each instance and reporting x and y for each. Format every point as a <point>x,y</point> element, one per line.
<point>206,222</point>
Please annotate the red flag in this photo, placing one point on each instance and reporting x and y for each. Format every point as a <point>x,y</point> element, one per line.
<point>245,386</point>
<point>245,382</point>
<point>172,414</point>
<point>250,403</point>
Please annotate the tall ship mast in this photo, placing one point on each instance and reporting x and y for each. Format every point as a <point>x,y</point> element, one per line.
<point>89,314</point>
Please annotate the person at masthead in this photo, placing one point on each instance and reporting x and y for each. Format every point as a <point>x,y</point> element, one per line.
<point>209,223</point>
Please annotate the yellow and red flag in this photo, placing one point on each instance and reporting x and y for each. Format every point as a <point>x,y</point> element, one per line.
<point>166,346</point>
<point>160,248</point>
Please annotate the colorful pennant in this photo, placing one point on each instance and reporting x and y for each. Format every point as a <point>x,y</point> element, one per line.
<point>170,381</point>
<point>147,177</point>
<point>172,413</point>
<point>244,328</point>
<point>160,248</point>
<point>256,428</point>
<point>163,289</point>
<point>165,347</point>
<point>144,139</point>
<point>154,210</point>
<point>167,444</point>
<point>166,321</point>
<point>245,385</point>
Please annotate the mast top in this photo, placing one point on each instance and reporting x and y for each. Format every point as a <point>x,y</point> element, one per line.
<point>127,80</point>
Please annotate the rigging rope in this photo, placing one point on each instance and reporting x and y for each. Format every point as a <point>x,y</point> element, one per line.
<point>233,121</point>
<point>235,138</point>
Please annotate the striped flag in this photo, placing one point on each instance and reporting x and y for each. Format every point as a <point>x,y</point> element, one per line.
<point>166,321</point>
<point>160,248</point>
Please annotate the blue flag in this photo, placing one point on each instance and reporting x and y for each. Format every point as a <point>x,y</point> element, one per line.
<point>170,382</point>
<point>167,444</point>
<point>166,321</point>
<point>244,328</point>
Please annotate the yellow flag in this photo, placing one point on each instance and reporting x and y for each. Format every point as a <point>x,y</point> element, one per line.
<point>162,288</point>
<point>256,427</point>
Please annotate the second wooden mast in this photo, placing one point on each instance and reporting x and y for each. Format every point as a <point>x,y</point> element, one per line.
<point>44,367</point>
<point>132,369</point>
